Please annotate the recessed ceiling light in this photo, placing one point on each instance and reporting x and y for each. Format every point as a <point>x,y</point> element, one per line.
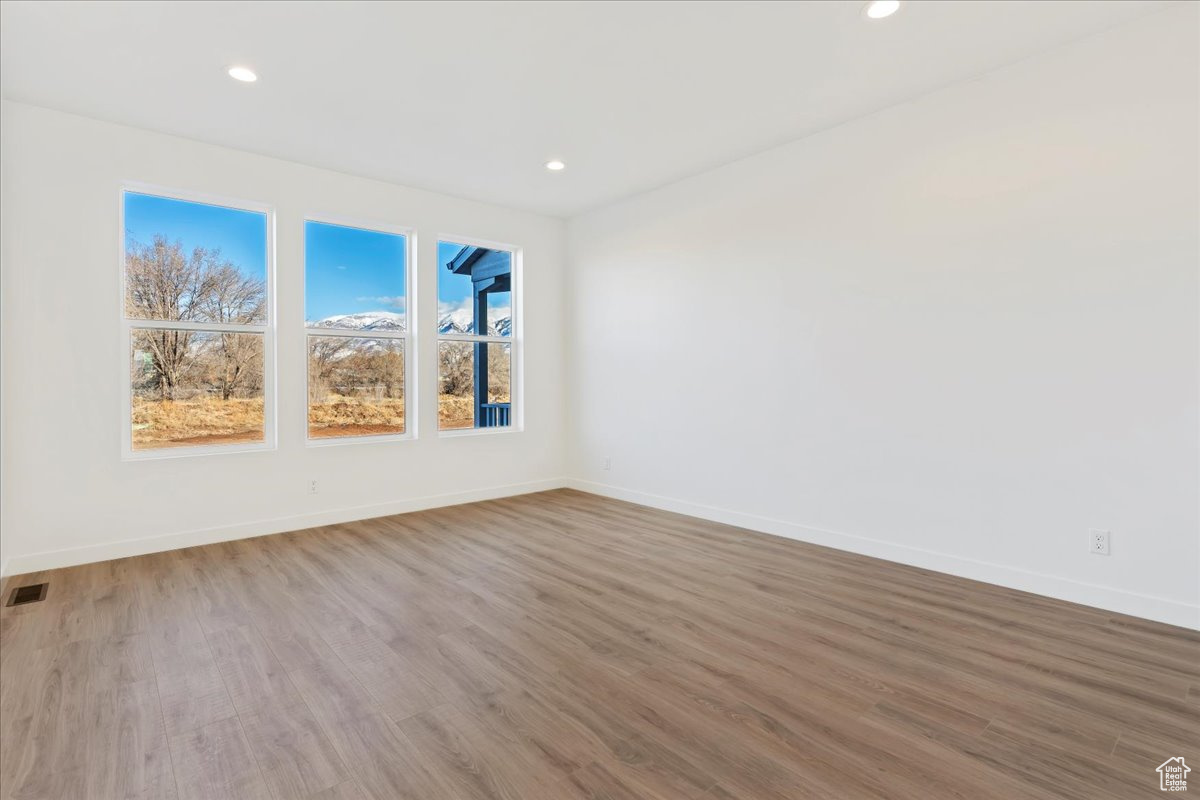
<point>243,74</point>
<point>878,9</point>
<point>555,165</point>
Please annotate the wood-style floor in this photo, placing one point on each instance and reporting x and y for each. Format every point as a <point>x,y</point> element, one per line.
<point>564,646</point>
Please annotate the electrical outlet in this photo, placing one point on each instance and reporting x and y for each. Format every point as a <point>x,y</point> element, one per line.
<point>1099,541</point>
<point>606,464</point>
<point>312,486</point>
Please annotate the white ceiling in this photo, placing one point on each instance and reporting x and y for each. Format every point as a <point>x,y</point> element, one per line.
<point>471,98</point>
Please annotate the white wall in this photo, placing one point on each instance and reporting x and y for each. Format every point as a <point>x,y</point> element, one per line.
<point>958,333</point>
<point>67,496</point>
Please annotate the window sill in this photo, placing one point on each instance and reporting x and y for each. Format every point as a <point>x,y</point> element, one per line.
<point>468,432</point>
<point>337,441</point>
<point>191,452</point>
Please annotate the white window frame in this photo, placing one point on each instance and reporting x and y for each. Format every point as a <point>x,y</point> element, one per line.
<point>128,325</point>
<point>407,336</point>
<point>516,340</point>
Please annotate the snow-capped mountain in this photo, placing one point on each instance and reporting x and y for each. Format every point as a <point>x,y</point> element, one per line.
<point>460,321</point>
<point>457,321</point>
<point>364,321</point>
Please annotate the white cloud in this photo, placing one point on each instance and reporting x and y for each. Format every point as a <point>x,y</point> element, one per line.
<point>391,303</point>
<point>462,307</point>
<point>464,310</point>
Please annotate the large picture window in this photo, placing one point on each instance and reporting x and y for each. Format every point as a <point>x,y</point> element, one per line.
<point>197,324</point>
<point>475,337</point>
<point>357,320</point>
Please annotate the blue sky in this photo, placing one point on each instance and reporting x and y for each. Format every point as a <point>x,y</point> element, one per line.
<point>349,270</point>
<point>454,291</point>
<point>240,235</point>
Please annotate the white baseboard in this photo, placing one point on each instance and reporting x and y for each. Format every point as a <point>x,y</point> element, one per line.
<point>53,559</point>
<point>1158,609</point>
<point>1138,605</point>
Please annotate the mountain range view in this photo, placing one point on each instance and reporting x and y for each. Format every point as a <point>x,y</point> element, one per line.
<point>457,321</point>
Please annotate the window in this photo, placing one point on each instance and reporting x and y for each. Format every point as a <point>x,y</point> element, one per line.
<point>356,312</point>
<point>475,337</point>
<point>196,324</point>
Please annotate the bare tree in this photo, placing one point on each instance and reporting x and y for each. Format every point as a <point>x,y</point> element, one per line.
<point>499,361</point>
<point>455,367</point>
<point>231,296</point>
<point>378,369</point>
<point>164,283</point>
<point>172,354</point>
<point>323,354</point>
<point>234,298</point>
<point>240,362</point>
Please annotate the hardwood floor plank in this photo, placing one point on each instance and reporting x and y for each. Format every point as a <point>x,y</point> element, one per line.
<point>596,781</point>
<point>292,751</point>
<point>252,674</point>
<point>297,645</point>
<point>476,763</point>
<point>347,790</point>
<point>214,763</point>
<point>127,749</point>
<point>191,690</point>
<point>384,762</point>
<point>332,692</point>
<point>565,646</point>
<point>51,764</point>
<point>558,743</point>
<point>395,685</point>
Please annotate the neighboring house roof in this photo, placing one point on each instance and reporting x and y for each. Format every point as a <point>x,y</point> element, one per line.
<point>489,270</point>
<point>464,259</point>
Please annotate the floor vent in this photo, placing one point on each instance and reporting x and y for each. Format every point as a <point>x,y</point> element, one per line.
<point>28,594</point>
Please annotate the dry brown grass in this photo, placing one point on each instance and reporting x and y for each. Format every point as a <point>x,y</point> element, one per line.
<point>180,423</point>
<point>455,412</point>
<point>354,416</point>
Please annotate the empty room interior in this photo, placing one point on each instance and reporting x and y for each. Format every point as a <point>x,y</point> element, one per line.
<point>599,400</point>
